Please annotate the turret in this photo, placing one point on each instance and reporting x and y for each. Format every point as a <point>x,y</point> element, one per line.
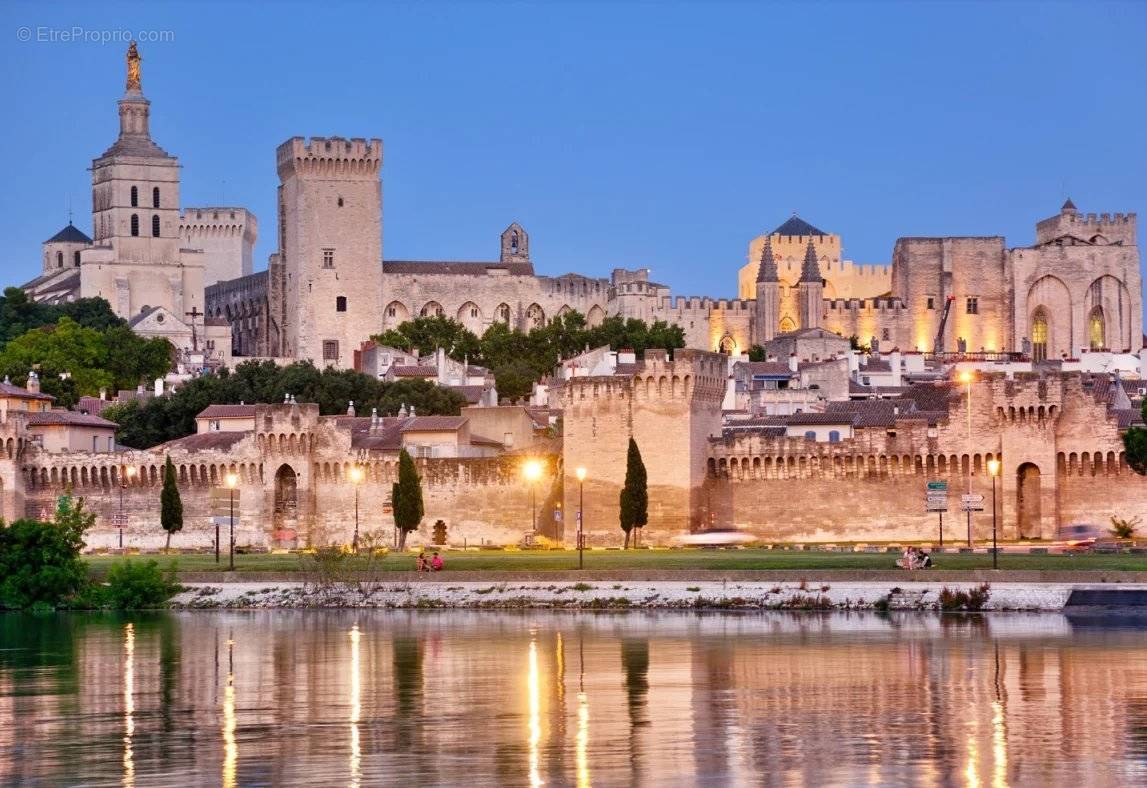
<point>810,289</point>
<point>768,302</point>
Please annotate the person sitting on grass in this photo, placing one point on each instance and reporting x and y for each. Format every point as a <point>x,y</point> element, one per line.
<point>420,565</point>
<point>436,563</point>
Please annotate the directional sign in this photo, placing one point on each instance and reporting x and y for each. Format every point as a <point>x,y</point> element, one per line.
<point>937,486</point>
<point>223,521</point>
<point>119,520</point>
<point>936,504</point>
<point>972,502</point>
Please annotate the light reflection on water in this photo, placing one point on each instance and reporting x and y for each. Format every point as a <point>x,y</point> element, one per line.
<point>481,698</point>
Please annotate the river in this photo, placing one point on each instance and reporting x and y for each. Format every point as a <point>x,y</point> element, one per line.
<point>474,698</point>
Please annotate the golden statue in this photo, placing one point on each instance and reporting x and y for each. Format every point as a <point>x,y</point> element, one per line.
<point>133,60</point>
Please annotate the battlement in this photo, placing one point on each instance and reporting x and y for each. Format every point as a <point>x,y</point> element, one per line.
<point>865,305</point>
<point>327,156</point>
<point>1115,227</point>
<point>221,222</point>
<point>690,374</point>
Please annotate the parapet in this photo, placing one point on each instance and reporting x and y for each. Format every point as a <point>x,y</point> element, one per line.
<point>327,156</point>
<point>1115,227</point>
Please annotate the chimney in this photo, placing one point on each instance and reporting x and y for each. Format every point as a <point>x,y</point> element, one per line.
<point>794,362</point>
<point>158,388</point>
<point>894,361</point>
<point>103,394</point>
<point>33,382</point>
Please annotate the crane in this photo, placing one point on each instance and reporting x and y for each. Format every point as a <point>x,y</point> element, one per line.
<point>938,345</point>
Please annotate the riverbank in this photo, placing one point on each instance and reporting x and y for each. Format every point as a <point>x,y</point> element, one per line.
<point>567,593</point>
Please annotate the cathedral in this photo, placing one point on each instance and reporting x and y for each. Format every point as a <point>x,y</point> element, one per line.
<point>187,273</point>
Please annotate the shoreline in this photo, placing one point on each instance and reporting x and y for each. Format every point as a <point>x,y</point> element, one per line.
<point>577,593</point>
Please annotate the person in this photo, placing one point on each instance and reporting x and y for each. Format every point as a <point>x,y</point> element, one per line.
<point>906,559</point>
<point>925,560</point>
<point>420,565</point>
<point>436,562</point>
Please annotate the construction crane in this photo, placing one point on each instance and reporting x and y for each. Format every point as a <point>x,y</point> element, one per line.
<point>938,345</point>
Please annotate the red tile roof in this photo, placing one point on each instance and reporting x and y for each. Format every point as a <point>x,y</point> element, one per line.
<point>67,418</point>
<point>227,412</point>
<point>9,390</point>
<point>414,372</point>
<point>434,424</point>
<point>204,441</point>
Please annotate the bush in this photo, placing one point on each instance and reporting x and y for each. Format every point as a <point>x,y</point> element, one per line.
<point>40,562</point>
<point>1124,529</point>
<point>964,600</point>
<point>134,585</point>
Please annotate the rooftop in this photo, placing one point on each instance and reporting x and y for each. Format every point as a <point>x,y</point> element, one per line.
<point>68,418</point>
<point>227,412</point>
<point>7,389</point>
<point>797,226</point>
<point>70,234</point>
<point>455,267</point>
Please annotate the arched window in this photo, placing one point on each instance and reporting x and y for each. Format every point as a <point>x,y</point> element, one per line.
<point>59,259</point>
<point>155,197</point>
<point>1096,329</point>
<point>340,304</point>
<point>514,242</point>
<point>76,258</point>
<point>1039,335</point>
<point>134,221</point>
<point>155,226</point>
<point>134,197</point>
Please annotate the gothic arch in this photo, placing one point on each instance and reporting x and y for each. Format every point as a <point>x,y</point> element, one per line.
<point>432,309</point>
<point>535,316</point>
<point>470,315</point>
<point>1109,300</point>
<point>595,316</point>
<point>1050,297</point>
<point>503,313</point>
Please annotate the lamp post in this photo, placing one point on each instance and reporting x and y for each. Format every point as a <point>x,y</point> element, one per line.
<point>532,470</point>
<point>355,477</point>
<point>129,473</point>
<point>580,517</point>
<point>231,480</point>
<point>994,472</point>
<point>966,379</point>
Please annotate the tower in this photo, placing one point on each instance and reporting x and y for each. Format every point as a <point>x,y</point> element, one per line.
<point>326,283</point>
<point>136,261</point>
<point>768,301</point>
<point>810,289</point>
<point>62,250</point>
<point>515,245</point>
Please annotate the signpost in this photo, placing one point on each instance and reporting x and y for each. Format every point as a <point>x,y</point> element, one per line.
<point>936,500</point>
<point>222,512</point>
<point>971,502</point>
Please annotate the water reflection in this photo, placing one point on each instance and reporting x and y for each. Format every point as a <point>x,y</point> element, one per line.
<point>489,698</point>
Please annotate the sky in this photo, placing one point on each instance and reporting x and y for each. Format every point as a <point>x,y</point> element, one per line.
<point>658,135</point>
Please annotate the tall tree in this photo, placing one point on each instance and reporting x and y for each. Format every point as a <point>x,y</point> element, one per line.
<point>406,498</point>
<point>634,495</point>
<point>1135,442</point>
<point>170,504</point>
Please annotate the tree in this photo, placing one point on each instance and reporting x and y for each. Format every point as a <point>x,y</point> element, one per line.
<point>406,498</point>
<point>40,563</point>
<point>1135,442</point>
<point>19,314</point>
<point>634,495</point>
<point>757,353</point>
<point>170,504</point>
<point>427,334</point>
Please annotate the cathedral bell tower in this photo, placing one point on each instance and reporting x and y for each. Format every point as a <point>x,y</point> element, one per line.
<point>810,289</point>
<point>768,303</point>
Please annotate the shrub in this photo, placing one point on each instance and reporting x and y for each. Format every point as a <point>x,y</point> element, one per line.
<point>135,585</point>
<point>40,562</point>
<point>964,600</point>
<point>1124,529</point>
<point>326,564</point>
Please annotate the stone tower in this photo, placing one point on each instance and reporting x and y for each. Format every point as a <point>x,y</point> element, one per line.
<point>810,290</point>
<point>62,250</point>
<point>768,300</point>
<point>326,283</point>
<point>136,261</point>
<point>515,245</point>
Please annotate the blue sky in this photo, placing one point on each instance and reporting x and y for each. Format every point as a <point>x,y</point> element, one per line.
<point>662,135</point>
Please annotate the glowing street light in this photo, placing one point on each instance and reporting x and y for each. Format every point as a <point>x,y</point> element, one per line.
<point>532,470</point>
<point>966,378</point>
<point>125,479</point>
<point>355,477</point>
<point>231,480</point>
<point>994,472</point>
<point>580,472</point>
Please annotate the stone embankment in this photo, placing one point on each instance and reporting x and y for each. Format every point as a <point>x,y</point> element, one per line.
<point>620,594</point>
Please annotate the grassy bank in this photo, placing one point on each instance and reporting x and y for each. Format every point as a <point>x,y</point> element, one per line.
<point>701,560</point>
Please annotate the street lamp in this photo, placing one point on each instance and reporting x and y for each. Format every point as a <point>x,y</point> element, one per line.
<point>231,480</point>
<point>355,478</point>
<point>532,470</point>
<point>994,472</point>
<point>966,379</point>
<point>129,474</point>
<point>580,517</point>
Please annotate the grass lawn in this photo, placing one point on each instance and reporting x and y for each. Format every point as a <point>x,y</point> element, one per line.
<point>526,561</point>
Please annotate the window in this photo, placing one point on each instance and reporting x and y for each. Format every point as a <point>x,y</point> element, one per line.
<point>390,311</point>
<point>59,259</point>
<point>973,305</point>
<point>134,223</point>
<point>473,311</point>
<point>330,350</point>
<point>95,445</point>
<point>1096,333</point>
<point>810,435</point>
<point>340,202</point>
<point>834,436</point>
<point>155,197</point>
<point>134,197</point>
<point>155,226</point>
<point>884,335</point>
<point>340,304</point>
<point>1039,335</point>
<point>931,302</point>
<point>328,258</point>
<point>76,258</point>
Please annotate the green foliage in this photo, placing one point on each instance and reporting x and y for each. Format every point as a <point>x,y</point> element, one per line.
<point>170,504</point>
<point>757,353</point>
<point>136,585</point>
<point>406,498</point>
<point>40,562</point>
<point>166,418</point>
<point>1135,443</point>
<point>634,498</point>
<point>1124,529</point>
<point>19,315</point>
<point>427,334</point>
<point>964,600</point>
<point>113,358</point>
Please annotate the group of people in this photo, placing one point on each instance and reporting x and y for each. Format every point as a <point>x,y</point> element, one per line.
<point>914,558</point>
<point>433,564</point>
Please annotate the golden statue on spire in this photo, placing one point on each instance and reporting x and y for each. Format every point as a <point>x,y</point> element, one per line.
<point>133,60</point>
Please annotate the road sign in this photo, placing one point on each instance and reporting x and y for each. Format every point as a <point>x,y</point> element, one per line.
<point>972,502</point>
<point>119,520</point>
<point>938,487</point>
<point>223,521</point>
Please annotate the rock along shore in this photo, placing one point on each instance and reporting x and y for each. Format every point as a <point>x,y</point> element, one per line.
<point>574,593</point>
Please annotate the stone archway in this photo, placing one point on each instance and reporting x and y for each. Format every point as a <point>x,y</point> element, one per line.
<point>285,518</point>
<point>1028,522</point>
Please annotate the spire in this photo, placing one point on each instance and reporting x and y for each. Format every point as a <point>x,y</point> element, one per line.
<point>810,271</point>
<point>767,272</point>
<point>1068,206</point>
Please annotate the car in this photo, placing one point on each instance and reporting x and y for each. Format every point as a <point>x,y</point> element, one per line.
<point>1078,536</point>
<point>716,537</point>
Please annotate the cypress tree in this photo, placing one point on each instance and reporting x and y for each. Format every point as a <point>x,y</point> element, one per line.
<point>406,498</point>
<point>170,504</point>
<point>635,494</point>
